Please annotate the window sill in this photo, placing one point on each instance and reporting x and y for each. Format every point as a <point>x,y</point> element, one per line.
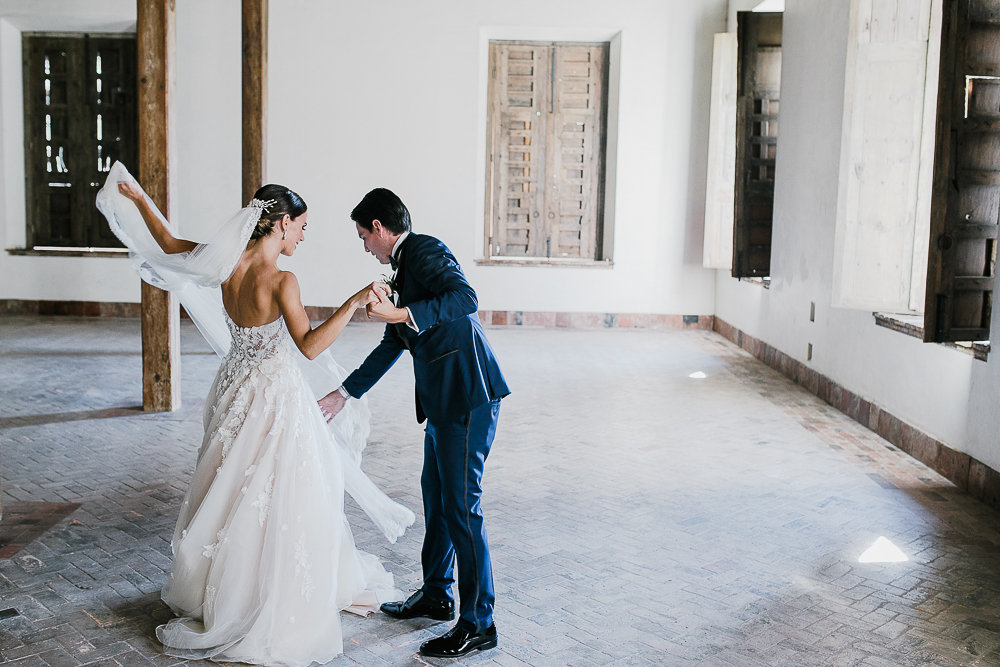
<point>547,262</point>
<point>913,325</point>
<point>763,282</point>
<point>49,251</point>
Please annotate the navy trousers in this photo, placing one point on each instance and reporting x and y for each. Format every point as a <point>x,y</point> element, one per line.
<point>454,455</point>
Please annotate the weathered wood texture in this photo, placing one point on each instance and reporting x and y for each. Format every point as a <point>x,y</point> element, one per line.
<point>720,188</point>
<point>254,96</point>
<point>758,88</point>
<point>885,156</point>
<point>161,387</point>
<point>546,122</point>
<point>80,117</point>
<point>965,203</point>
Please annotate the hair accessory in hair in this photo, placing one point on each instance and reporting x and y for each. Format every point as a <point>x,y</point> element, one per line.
<point>262,205</point>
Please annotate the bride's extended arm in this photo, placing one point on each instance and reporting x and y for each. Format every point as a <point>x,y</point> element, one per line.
<point>311,342</point>
<point>169,243</point>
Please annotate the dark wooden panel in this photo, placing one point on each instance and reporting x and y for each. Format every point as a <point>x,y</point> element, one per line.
<point>757,114</point>
<point>111,102</point>
<point>69,107</point>
<point>965,201</point>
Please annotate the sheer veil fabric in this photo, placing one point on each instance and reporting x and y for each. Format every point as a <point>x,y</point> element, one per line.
<point>264,558</point>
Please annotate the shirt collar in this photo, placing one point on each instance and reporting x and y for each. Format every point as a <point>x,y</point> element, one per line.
<point>397,244</point>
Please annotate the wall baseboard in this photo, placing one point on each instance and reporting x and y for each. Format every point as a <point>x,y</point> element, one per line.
<point>594,320</point>
<point>317,313</point>
<point>969,475</point>
<point>71,308</point>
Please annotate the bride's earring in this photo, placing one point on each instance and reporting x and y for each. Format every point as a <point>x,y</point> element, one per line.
<point>283,234</point>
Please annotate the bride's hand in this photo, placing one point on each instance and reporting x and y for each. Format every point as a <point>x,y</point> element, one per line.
<point>364,296</point>
<point>131,190</point>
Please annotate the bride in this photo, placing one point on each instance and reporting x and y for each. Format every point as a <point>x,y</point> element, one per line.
<point>264,558</point>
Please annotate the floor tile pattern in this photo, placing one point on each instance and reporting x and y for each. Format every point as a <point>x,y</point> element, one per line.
<point>23,522</point>
<point>637,515</point>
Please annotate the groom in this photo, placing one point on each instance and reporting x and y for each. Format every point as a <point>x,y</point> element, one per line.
<point>458,391</point>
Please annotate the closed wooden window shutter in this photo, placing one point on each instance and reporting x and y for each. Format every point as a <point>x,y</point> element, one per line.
<point>966,192</point>
<point>114,107</point>
<point>80,117</point>
<point>758,88</point>
<point>884,136</point>
<point>54,92</point>
<point>546,121</point>
<point>518,95</point>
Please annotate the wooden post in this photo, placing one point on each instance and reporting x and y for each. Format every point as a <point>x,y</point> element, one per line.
<point>254,96</point>
<point>161,362</point>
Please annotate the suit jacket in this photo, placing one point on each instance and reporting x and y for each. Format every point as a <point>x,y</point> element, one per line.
<point>453,364</point>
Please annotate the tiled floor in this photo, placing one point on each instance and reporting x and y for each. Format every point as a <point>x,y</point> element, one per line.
<point>637,516</point>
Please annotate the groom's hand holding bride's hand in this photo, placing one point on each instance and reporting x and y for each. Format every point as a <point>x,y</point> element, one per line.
<point>383,309</point>
<point>331,404</point>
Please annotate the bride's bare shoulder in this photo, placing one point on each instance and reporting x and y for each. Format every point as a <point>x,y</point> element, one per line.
<point>286,282</point>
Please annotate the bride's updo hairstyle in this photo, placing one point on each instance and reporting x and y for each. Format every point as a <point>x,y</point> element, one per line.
<point>285,202</point>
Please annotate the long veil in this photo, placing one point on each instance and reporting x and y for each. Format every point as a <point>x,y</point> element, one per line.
<point>195,277</point>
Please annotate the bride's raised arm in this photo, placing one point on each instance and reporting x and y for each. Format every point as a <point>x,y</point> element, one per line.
<point>169,243</point>
<point>311,342</point>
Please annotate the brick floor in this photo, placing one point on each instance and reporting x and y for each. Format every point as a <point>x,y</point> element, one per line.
<point>637,516</point>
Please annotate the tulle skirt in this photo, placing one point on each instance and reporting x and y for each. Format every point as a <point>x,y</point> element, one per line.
<point>264,558</point>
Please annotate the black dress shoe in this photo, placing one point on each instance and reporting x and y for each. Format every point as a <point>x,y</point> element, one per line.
<point>419,604</point>
<point>458,642</point>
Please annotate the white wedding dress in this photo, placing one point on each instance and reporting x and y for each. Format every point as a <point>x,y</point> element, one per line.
<point>264,558</point>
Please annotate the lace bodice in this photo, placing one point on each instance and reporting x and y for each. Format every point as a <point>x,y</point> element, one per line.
<point>255,345</point>
<point>257,351</point>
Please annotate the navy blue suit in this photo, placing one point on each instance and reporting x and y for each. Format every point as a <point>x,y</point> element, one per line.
<point>458,390</point>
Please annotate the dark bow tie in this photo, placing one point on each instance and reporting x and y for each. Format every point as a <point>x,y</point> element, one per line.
<point>393,263</point>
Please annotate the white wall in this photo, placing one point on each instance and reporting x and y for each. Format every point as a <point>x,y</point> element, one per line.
<point>392,94</point>
<point>208,146</point>
<point>940,390</point>
<point>396,98</point>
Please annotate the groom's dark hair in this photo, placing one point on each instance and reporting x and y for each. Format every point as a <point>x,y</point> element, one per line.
<point>382,205</point>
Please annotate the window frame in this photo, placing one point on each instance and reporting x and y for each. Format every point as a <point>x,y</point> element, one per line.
<point>603,180</point>
<point>88,234</point>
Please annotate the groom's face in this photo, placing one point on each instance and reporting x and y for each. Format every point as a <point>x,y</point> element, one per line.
<point>378,241</point>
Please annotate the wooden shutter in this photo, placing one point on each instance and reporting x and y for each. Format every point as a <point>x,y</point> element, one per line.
<point>758,88</point>
<point>79,108</point>
<point>720,186</point>
<point>546,122</point>
<point>54,147</point>
<point>114,121</point>
<point>882,138</point>
<point>574,151</point>
<point>518,95</point>
<point>966,192</point>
